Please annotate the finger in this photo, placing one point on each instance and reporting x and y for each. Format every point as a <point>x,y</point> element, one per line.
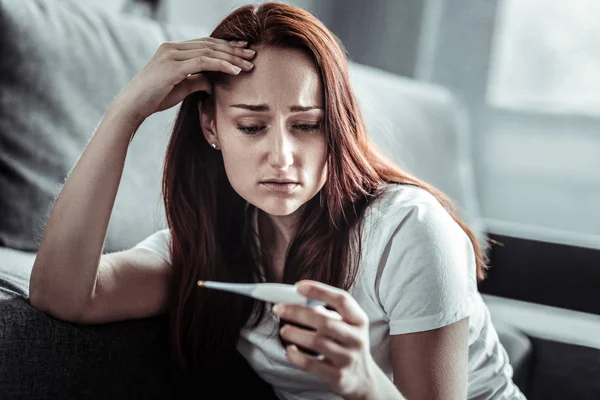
<point>338,299</point>
<point>334,329</point>
<point>236,43</point>
<point>208,52</point>
<point>185,50</point>
<point>198,44</point>
<point>208,49</point>
<point>333,352</point>
<point>327,372</point>
<point>204,63</point>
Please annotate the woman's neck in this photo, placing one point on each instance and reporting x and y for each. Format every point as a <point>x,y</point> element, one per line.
<point>276,232</point>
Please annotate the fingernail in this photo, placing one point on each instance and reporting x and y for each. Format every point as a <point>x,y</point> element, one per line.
<point>242,42</point>
<point>277,308</point>
<point>248,64</point>
<point>249,51</point>
<point>302,289</point>
<point>236,69</point>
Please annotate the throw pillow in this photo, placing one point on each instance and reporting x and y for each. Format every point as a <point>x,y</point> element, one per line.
<point>62,62</point>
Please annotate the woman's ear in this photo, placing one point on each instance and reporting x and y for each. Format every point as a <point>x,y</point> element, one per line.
<point>208,125</point>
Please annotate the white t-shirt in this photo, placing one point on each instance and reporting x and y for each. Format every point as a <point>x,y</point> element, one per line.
<point>417,273</point>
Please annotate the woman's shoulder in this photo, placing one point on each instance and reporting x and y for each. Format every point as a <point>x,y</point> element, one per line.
<point>158,241</point>
<point>396,197</point>
<point>408,210</point>
<point>417,262</point>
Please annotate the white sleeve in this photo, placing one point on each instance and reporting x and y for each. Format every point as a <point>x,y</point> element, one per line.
<point>428,276</point>
<point>158,243</point>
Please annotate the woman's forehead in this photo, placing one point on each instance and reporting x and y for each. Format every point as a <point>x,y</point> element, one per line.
<point>280,76</point>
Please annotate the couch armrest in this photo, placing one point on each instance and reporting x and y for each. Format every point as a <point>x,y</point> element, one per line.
<point>565,357</point>
<point>42,357</point>
<point>530,267</point>
<point>46,358</point>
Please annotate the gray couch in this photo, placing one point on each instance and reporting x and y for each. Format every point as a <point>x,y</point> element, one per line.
<point>61,64</point>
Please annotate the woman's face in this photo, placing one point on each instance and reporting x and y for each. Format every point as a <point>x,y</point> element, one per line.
<point>268,126</point>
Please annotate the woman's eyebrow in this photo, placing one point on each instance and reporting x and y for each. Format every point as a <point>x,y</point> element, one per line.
<point>265,107</point>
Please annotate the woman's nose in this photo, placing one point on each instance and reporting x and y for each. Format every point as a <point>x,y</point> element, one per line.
<point>281,151</point>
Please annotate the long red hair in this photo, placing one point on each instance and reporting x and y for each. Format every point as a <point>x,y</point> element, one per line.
<point>211,234</point>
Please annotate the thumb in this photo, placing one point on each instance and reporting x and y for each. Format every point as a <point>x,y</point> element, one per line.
<point>191,84</point>
<point>196,83</point>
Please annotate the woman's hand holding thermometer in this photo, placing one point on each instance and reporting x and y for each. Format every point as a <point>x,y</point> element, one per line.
<point>282,293</point>
<point>340,337</point>
<point>269,292</point>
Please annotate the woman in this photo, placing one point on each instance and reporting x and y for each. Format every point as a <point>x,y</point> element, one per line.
<point>270,177</point>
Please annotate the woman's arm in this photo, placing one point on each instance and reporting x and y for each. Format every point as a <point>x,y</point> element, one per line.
<point>426,290</point>
<point>65,271</point>
<point>433,364</point>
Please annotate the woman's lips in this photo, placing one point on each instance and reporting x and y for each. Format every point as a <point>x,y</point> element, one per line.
<point>286,187</point>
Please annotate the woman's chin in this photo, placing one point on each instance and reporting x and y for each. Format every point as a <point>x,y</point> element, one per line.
<point>278,211</point>
<point>279,207</point>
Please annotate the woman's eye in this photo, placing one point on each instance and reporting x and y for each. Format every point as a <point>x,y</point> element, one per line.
<point>307,127</point>
<point>250,130</point>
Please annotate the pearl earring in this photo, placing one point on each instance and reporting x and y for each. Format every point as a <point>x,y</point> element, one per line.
<point>214,145</point>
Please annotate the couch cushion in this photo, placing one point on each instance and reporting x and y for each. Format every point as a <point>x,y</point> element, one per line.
<point>61,64</point>
<point>15,272</point>
<point>425,129</point>
<point>519,348</point>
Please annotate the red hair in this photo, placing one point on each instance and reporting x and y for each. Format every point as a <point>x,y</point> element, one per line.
<point>212,237</point>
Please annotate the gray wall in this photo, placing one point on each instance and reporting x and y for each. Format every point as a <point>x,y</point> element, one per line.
<point>381,33</point>
<point>208,13</point>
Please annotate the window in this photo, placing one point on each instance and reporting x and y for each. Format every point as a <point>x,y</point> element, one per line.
<point>546,57</point>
